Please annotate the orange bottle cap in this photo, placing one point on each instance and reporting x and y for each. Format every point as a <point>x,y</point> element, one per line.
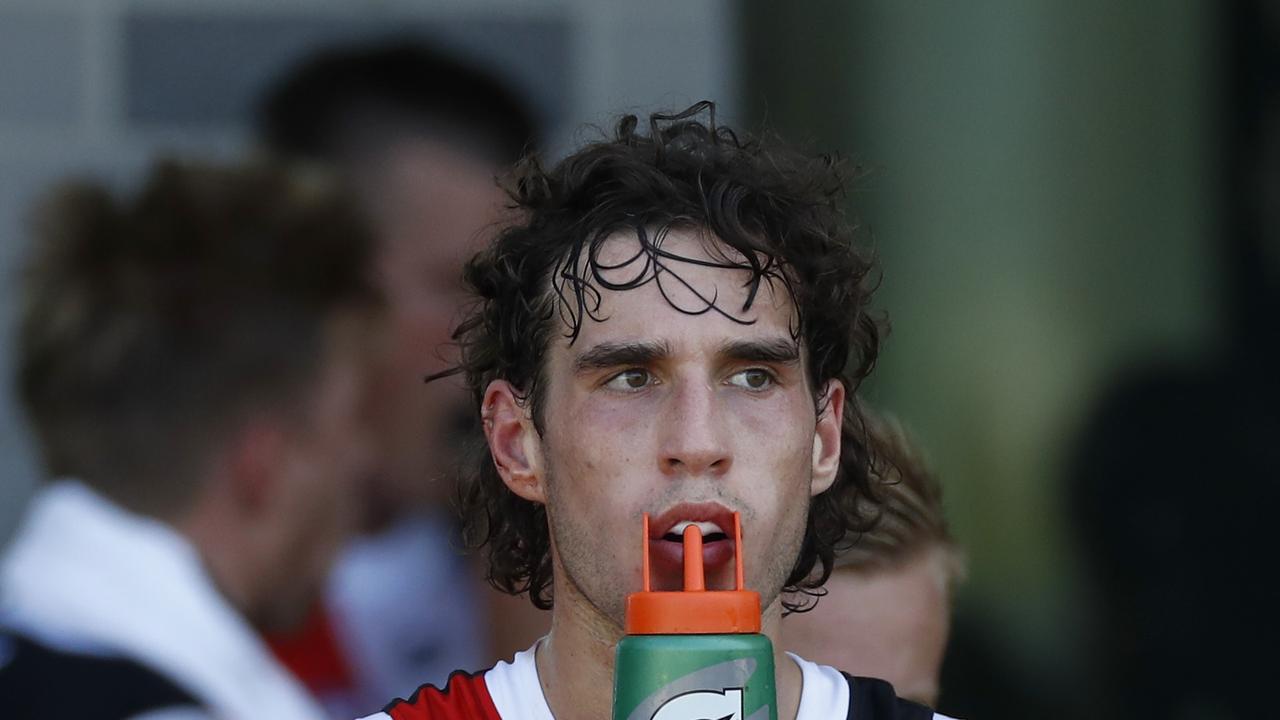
<point>694,610</point>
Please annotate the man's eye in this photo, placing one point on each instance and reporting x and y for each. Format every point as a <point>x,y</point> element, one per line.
<point>633,379</point>
<point>752,379</point>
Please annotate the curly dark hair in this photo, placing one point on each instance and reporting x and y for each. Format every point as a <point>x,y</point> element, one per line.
<point>775,212</point>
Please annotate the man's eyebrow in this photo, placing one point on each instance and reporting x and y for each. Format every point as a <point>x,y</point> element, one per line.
<point>611,354</point>
<point>778,351</point>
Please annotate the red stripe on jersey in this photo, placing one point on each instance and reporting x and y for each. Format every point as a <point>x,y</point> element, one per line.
<point>465,697</point>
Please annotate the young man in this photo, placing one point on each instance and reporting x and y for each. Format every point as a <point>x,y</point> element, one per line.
<point>676,328</point>
<point>887,608</point>
<point>192,359</point>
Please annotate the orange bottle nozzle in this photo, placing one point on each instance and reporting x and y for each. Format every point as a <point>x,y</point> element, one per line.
<point>644,554</point>
<point>693,610</point>
<point>737,552</point>
<point>694,579</point>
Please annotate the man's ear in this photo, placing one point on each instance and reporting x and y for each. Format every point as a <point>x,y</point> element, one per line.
<point>513,441</point>
<point>826,438</point>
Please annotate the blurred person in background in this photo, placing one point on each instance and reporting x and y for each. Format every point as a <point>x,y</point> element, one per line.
<point>887,608</point>
<point>420,139</point>
<point>192,359</point>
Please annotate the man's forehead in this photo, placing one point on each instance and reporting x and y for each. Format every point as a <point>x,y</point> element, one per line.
<point>631,286</point>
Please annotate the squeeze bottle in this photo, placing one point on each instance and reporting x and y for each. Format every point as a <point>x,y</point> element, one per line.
<point>694,654</point>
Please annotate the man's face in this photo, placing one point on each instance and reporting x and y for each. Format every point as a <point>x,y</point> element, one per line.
<point>688,418</point>
<point>890,624</point>
<point>432,206</point>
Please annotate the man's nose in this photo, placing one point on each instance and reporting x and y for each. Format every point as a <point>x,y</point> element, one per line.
<point>694,437</point>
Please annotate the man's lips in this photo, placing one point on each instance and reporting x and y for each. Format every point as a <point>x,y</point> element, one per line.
<point>666,542</point>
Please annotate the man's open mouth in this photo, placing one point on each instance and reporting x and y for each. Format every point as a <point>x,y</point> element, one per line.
<point>666,538</point>
<point>711,532</point>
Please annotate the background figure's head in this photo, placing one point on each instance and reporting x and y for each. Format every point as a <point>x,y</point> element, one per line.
<point>195,353</point>
<point>652,217</point>
<point>887,608</point>
<point>419,137</point>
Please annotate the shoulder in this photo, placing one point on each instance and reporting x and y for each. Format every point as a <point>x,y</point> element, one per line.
<point>39,679</point>
<point>509,689</point>
<point>873,699</point>
<point>829,693</point>
<point>464,695</point>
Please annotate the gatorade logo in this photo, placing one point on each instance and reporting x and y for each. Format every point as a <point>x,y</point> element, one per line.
<point>692,697</point>
<point>703,705</point>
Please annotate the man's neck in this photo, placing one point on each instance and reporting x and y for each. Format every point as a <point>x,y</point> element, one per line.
<point>575,663</point>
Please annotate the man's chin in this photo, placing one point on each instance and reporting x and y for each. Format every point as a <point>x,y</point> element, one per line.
<point>668,579</point>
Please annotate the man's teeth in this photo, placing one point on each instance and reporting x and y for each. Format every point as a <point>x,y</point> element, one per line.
<point>707,528</point>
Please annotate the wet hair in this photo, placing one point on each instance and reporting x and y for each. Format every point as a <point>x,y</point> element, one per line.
<point>774,212</point>
<point>151,325</point>
<point>351,98</point>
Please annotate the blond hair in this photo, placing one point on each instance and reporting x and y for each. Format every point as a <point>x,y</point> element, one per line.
<point>907,505</point>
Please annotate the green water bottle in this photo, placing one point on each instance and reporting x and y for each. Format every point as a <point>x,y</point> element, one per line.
<point>695,654</point>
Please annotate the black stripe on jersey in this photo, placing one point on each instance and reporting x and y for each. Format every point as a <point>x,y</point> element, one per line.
<point>872,699</point>
<point>39,681</point>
